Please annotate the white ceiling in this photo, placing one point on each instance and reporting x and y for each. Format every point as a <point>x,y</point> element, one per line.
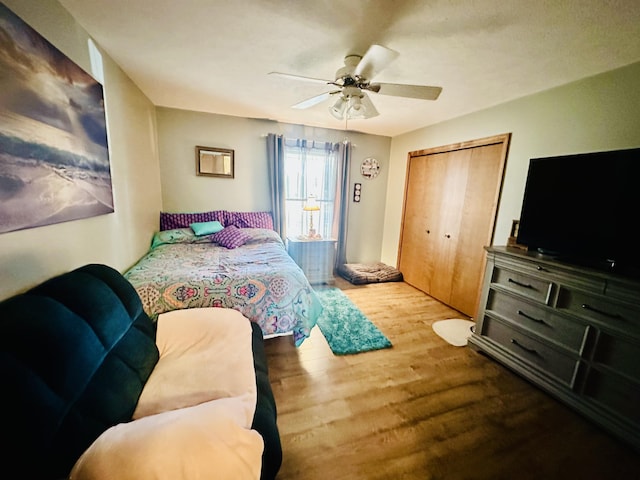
<point>215,56</point>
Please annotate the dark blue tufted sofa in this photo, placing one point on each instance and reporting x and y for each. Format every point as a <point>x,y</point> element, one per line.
<point>75,353</point>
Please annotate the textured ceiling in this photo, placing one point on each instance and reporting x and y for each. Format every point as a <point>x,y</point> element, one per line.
<point>215,56</point>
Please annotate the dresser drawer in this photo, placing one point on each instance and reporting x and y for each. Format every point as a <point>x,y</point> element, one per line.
<point>549,360</point>
<point>542,321</point>
<point>616,315</point>
<point>624,290</point>
<point>523,284</point>
<point>618,354</point>
<point>616,394</point>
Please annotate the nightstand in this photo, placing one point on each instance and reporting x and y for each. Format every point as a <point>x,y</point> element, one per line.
<point>315,257</point>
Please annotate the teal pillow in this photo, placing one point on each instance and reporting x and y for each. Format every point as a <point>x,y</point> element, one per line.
<point>206,228</point>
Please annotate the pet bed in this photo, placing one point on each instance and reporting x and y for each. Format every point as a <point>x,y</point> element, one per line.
<point>362,273</point>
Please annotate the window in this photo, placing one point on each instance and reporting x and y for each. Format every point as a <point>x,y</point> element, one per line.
<point>310,171</point>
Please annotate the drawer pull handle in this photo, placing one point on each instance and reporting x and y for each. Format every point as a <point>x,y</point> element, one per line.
<point>601,312</point>
<point>520,284</point>
<point>526,349</point>
<point>529,317</point>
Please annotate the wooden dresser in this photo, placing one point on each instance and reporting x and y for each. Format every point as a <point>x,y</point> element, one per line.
<point>573,331</point>
<point>315,257</point>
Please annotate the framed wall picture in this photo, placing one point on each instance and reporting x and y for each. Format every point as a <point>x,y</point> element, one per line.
<point>512,241</point>
<point>214,162</point>
<point>54,156</point>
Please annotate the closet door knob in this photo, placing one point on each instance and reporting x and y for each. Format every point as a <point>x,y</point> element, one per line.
<point>446,235</point>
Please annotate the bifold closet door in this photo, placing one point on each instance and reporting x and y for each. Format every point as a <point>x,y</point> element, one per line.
<point>433,213</point>
<point>448,224</point>
<point>450,204</point>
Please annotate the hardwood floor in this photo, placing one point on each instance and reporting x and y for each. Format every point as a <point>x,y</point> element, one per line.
<point>424,409</point>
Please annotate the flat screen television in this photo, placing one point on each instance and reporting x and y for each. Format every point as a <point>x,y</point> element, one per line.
<point>584,209</point>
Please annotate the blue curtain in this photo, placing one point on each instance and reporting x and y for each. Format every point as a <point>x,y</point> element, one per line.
<point>341,217</point>
<point>275,157</point>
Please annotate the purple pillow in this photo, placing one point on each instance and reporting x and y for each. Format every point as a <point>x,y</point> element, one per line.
<point>249,219</point>
<point>230,237</point>
<point>171,221</point>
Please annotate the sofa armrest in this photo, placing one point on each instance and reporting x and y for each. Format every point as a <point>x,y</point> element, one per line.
<point>265,417</point>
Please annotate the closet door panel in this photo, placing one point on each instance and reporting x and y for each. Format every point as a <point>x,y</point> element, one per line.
<point>450,218</point>
<point>419,239</point>
<point>414,225</point>
<point>477,217</point>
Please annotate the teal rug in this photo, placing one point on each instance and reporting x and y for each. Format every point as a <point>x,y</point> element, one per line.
<point>345,327</point>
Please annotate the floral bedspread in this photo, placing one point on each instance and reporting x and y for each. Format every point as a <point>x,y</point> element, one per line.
<point>259,279</point>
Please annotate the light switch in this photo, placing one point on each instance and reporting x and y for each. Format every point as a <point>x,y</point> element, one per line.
<point>357,192</point>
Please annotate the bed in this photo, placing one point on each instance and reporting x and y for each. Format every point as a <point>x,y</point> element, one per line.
<point>251,273</point>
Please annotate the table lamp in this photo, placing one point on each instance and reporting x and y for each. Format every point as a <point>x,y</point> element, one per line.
<point>311,206</point>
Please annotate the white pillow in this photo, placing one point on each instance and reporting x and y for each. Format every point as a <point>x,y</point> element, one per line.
<point>205,354</point>
<point>205,441</point>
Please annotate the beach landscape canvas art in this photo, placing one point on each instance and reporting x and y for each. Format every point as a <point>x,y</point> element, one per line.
<point>54,156</point>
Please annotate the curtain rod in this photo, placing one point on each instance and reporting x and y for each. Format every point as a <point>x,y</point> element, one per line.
<point>265,135</point>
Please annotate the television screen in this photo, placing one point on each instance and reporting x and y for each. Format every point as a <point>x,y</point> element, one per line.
<point>582,208</point>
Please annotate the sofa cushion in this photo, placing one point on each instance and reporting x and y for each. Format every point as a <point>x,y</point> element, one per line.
<point>198,404</point>
<point>203,441</point>
<point>75,354</point>
<point>205,354</point>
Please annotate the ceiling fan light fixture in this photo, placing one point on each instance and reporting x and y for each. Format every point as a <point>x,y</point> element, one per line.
<point>338,108</point>
<point>356,108</point>
<point>354,81</point>
<point>368,106</point>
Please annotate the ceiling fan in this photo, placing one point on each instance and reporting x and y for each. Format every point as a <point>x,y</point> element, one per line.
<point>354,80</point>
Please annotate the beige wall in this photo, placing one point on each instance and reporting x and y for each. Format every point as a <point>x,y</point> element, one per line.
<point>597,113</point>
<point>28,257</point>
<point>179,131</point>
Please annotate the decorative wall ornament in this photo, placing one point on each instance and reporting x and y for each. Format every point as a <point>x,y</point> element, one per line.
<point>370,168</point>
<point>54,157</point>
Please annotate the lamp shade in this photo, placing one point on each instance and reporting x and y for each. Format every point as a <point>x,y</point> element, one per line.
<point>338,108</point>
<point>369,109</point>
<point>311,205</point>
<point>356,109</point>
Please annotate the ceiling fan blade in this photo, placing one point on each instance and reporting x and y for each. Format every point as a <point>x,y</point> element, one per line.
<point>410,91</point>
<point>299,77</point>
<point>374,61</point>
<point>310,102</point>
